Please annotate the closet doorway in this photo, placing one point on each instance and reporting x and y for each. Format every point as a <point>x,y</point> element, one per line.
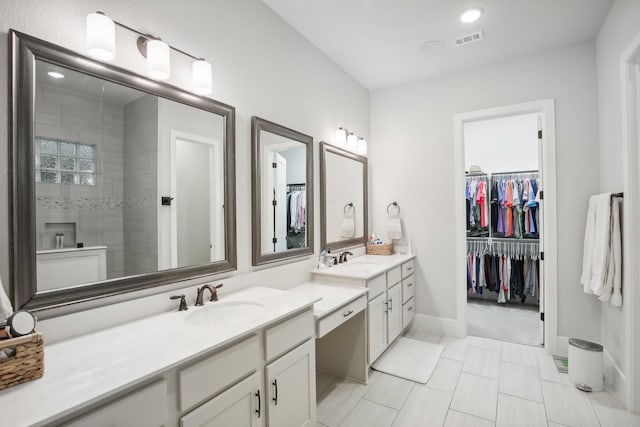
<point>503,228</point>
<point>507,223</point>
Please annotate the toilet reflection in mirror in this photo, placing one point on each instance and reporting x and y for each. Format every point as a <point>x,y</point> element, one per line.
<point>283,192</point>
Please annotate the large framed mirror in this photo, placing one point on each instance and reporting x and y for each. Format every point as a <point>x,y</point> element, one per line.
<point>282,192</point>
<point>343,197</point>
<point>118,182</point>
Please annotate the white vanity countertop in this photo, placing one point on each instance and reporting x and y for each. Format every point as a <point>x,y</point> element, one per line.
<point>333,296</point>
<point>86,369</point>
<point>71,249</point>
<point>363,267</point>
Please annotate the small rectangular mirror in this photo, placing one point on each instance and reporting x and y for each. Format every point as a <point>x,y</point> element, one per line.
<point>282,187</point>
<point>343,196</point>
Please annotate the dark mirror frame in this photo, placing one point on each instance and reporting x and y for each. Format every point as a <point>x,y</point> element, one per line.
<point>24,51</point>
<point>258,257</point>
<point>328,148</point>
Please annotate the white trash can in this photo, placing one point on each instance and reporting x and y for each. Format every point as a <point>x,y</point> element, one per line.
<point>585,364</point>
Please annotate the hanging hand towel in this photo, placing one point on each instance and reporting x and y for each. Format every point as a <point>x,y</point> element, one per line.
<point>614,269</point>
<point>394,226</point>
<point>596,244</point>
<point>5,305</point>
<point>348,229</point>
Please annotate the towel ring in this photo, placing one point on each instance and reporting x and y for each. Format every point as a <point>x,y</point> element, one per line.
<point>353,208</point>
<point>393,204</point>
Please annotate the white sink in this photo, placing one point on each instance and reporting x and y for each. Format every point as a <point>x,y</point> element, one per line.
<point>224,313</point>
<point>362,263</point>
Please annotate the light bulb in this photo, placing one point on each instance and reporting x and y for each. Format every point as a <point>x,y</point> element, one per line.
<point>158,62</point>
<point>362,146</point>
<point>202,80</point>
<point>341,137</point>
<point>352,142</point>
<point>101,37</point>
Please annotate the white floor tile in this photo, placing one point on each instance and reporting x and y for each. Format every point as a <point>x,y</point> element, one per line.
<point>548,371</point>
<point>337,400</point>
<point>521,381</point>
<point>611,412</point>
<point>476,396</point>
<point>454,348</point>
<point>423,407</point>
<point>521,354</point>
<point>516,412</point>
<point>368,413</point>
<point>445,375</point>
<point>552,424</point>
<point>485,363</point>
<point>484,343</point>
<point>567,405</point>
<point>389,391</point>
<point>459,419</point>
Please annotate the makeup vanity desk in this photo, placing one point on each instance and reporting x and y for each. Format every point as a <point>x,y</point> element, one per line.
<point>364,305</point>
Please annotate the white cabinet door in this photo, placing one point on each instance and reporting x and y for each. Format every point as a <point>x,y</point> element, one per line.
<point>238,406</point>
<point>377,326</point>
<point>394,312</point>
<point>291,387</point>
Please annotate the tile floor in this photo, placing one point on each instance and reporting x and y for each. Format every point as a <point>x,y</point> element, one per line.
<point>477,382</point>
<point>513,322</point>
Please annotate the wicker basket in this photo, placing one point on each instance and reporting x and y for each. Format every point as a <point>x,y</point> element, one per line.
<point>384,249</point>
<point>28,362</point>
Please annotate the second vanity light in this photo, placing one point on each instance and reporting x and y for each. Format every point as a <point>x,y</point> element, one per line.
<point>101,44</point>
<point>351,142</point>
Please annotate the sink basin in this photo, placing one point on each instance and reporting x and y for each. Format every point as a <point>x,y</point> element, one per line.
<point>362,263</point>
<point>225,313</point>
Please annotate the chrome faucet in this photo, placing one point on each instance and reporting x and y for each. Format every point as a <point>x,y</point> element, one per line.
<point>343,256</point>
<point>183,302</point>
<point>212,289</point>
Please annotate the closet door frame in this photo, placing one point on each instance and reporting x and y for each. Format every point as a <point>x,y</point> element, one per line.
<point>548,238</point>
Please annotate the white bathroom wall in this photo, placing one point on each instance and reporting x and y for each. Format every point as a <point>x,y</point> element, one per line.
<point>412,155</point>
<point>620,27</point>
<point>261,66</point>
<point>506,144</point>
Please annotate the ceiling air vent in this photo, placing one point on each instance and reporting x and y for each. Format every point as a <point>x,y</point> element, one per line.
<point>469,38</point>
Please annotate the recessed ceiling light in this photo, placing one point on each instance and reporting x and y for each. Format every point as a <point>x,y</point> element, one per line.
<point>56,75</point>
<point>471,15</point>
<point>432,46</point>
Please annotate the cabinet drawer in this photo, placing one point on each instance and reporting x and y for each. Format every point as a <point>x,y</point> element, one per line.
<point>344,313</point>
<point>211,375</point>
<point>376,286</point>
<point>146,407</point>
<point>235,406</point>
<point>408,312</point>
<point>288,334</point>
<point>408,288</point>
<point>393,276</point>
<point>408,268</point>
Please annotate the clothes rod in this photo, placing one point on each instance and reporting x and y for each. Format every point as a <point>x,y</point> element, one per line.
<point>515,172</point>
<point>621,194</point>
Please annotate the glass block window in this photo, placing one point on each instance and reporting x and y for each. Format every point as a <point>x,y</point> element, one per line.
<point>64,162</point>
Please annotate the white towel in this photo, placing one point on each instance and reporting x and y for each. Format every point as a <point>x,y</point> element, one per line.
<point>6,309</point>
<point>596,244</point>
<point>614,270</point>
<point>348,228</point>
<point>394,226</point>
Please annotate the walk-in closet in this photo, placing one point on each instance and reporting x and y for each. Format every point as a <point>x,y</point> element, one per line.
<point>503,194</point>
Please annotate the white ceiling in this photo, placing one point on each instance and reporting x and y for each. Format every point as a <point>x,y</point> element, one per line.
<point>379,42</point>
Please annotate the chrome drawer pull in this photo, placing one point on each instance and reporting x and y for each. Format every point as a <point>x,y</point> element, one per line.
<point>409,285</point>
<point>409,268</point>
<point>410,308</point>
<point>347,313</point>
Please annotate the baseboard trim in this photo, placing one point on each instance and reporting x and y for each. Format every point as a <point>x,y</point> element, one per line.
<point>439,325</point>
<point>614,379</point>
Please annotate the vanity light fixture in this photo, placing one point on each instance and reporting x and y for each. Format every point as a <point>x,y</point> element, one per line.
<point>341,137</point>
<point>101,37</point>
<point>55,75</point>
<point>101,45</point>
<point>352,141</point>
<point>471,15</point>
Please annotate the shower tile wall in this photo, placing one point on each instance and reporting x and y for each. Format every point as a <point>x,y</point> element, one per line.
<point>96,210</point>
<point>140,188</point>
